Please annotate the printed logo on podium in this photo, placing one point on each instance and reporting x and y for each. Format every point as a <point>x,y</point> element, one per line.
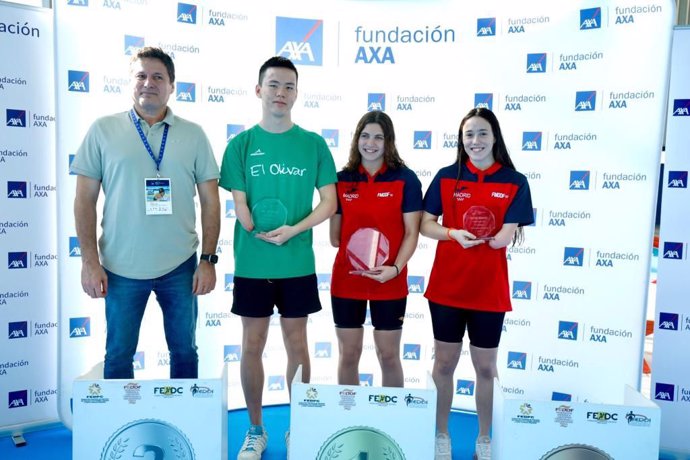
<point>300,40</point>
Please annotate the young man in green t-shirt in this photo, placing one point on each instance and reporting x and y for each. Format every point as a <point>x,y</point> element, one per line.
<point>272,170</point>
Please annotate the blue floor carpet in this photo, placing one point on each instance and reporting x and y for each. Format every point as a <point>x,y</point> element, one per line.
<point>56,443</point>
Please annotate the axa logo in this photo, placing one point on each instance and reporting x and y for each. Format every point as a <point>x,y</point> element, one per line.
<point>79,327</point>
<point>331,137</point>
<point>186,13</point>
<point>517,360</point>
<point>677,179</point>
<point>376,101</point>
<point>464,387</point>
<point>536,63</point>
<point>366,380</point>
<point>232,131</point>
<point>17,399</point>
<point>186,92</point>
<point>323,281</point>
<point>78,81</point>
<point>665,392</point>
<point>567,330</point>
<point>276,382</point>
<point>300,40</point>
<point>412,351</point>
<point>139,361</point>
<point>673,250</point>
<point>74,248</point>
<point>16,190</point>
<point>70,159</point>
<point>415,284</point>
<point>232,353</point>
<point>558,396</point>
<point>17,330</point>
<point>681,107</point>
<point>17,260</point>
<point>579,180</point>
<point>573,257</point>
<point>133,44</point>
<point>668,321</point>
<point>486,27</point>
<point>15,118</point>
<point>585,101</point>
<point>484,101</point>
<point>590,18</point>
<point>323,349</point>
<point>531,141</point>
<point>78,2</point>
<point>229,282</point>
<point>230,209</point>
<point>522,290</point>
<point>422,140</point>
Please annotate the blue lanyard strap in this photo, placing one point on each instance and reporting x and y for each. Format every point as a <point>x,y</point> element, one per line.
<point>136,122</point>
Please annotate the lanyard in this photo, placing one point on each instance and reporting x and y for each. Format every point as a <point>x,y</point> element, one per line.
<point>136,122</point>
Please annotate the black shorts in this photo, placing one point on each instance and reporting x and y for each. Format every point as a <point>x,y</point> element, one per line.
<point>295,297</point>
<point>483,327</point>
<point>386,315</point>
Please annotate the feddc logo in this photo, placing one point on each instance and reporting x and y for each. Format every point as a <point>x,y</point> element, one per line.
<point>673,250</point>
<point>331,137</point>
<point>486,27</point>
<point>681,107</point>
<point>517,360</point>
<point>133,44</point>
<point>16,189</point>
<point>323,281</point>
<point>590,18</point>
<point>536,63</point>
<point>232,131</point>
<point>567,330</point>
<point>17,399</point>
<point>579,180</point>
<point>665,392</point>
<point>232,353</point>
<point>522,290</point>
<point>677,179</point>
<point>668,321</point>
<point>78,81</point>
<point>17,260</point>
<point>412,351</point>
<point>17,330</point>
<point>229,282</point>
<point>15,118</point>
<point>74,248</point>
<point>376,101</point>
<point>422,140</point>
<point>464,387</point>
<point>186,13</point>
<point>366,380</point>
<point>415,284</point>
<point>573,257</point>
<point>484,101</point>
<point>186,92</point>
<point>276,382</point>
<point>322,350</point>
<point>531,141</point>
<point>300,40</point>
<point>79,327</point>
<point>585,101</point>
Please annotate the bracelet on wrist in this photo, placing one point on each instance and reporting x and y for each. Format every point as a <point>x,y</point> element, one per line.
<point>397,270</point>
<point>448,233</point>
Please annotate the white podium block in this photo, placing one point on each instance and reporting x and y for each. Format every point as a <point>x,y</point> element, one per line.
<point>181,419</point>
<point>564,430</point>
<point>357,422</point>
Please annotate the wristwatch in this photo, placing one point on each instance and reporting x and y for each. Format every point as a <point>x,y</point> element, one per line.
<point>210,258</point>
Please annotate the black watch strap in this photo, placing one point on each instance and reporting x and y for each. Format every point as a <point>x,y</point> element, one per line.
<point>210,258</point>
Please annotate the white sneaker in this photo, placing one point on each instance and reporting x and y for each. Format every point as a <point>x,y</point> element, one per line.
<point>482,448</point>
<point>443,449</point>
<point>254,444</point>
<point>287,444</point>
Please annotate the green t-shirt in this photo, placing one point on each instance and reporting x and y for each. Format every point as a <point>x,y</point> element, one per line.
<point>288,166</point>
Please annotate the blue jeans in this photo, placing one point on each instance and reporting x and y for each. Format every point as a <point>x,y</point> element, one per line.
<point>124,309</point>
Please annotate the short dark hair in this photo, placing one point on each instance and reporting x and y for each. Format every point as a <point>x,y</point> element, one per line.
<point>151,52</point>
<point>277,61</point>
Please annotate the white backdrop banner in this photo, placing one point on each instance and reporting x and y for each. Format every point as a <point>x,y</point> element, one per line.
<point>28,218</point>
<point>581,112</point>
<point>670,370</point>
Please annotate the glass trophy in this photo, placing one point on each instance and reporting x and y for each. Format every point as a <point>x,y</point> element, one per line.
<point>479,221</point>
<point>268,214</point>
<point>367,248</point>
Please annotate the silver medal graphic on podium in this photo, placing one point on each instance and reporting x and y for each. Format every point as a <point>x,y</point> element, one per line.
<point>136,439</point>
<point>360,442</point>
